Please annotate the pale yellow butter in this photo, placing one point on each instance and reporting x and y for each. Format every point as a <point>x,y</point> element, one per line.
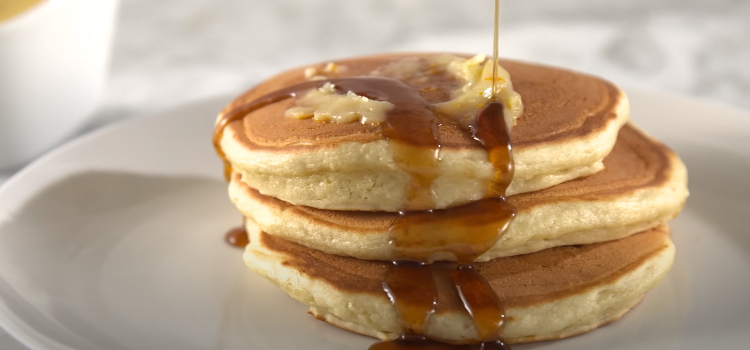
<point>312,73</point>
<point>324,104</point>
<point>476,73</point>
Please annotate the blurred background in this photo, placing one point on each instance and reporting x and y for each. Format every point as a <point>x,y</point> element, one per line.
<point>170,52</point>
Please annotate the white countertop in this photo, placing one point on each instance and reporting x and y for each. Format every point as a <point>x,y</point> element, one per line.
<point>170,52</point>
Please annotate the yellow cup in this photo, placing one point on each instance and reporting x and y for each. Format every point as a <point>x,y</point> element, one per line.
<point>54,57</point>
<point>12,8</point>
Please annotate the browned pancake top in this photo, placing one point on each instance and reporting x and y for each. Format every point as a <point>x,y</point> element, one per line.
<point>636,162</point>
<point>558,105</point>
<point>519,281</point>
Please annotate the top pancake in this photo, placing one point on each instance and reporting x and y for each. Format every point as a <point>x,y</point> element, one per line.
<point>558,105</point>
<point>570,122</point>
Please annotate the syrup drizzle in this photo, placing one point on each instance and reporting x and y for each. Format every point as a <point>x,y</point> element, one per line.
<point>456,234</point>
<point>464,233</point>
<point>411,127</point>
<point>419,238</point>
<point>459,234</point>
<point>237,237</point>
<point>481,302</point>
<point>415,302</point>
<point>410,342</point>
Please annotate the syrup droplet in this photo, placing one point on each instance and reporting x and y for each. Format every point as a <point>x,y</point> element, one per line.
<point>237,237</point>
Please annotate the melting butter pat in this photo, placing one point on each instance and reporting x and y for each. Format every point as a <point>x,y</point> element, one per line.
<point>312,73</point>
<point>476,73</point>
<point>324,104</point>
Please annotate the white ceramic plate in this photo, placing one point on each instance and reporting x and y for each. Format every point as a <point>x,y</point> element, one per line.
<point>114,242</point>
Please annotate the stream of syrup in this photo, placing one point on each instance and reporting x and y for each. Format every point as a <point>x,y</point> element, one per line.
<point>464,233</point>
<point>459,234</point>
<point>419,238</point>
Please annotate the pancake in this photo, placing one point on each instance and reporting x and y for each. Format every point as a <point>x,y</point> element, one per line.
<point>550,294</point>
<point>643,185</point>
<point>569,124</point>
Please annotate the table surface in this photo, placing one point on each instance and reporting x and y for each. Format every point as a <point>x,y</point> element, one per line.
<point>170,52</point>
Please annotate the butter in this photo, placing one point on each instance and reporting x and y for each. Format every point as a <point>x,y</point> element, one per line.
<point>13,8</point>
<point>324,104</point>
<point>312,73</point>
<point>476,73</point>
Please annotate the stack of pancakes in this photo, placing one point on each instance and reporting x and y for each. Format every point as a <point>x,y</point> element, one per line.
<point>592,194</point>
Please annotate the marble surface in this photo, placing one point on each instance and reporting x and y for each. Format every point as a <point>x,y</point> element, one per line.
<point>170,52</point>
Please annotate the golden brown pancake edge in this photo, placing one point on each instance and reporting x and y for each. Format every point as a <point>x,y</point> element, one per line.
<point>559,105</point>
<point>636,162</point>
<point>519,281</point>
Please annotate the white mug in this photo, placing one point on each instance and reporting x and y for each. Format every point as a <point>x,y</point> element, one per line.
<point>53,63</point>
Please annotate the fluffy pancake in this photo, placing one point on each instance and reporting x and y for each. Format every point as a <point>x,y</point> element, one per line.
<point>643,185</point>
<point>550,294</point>
<point>570,123</point>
